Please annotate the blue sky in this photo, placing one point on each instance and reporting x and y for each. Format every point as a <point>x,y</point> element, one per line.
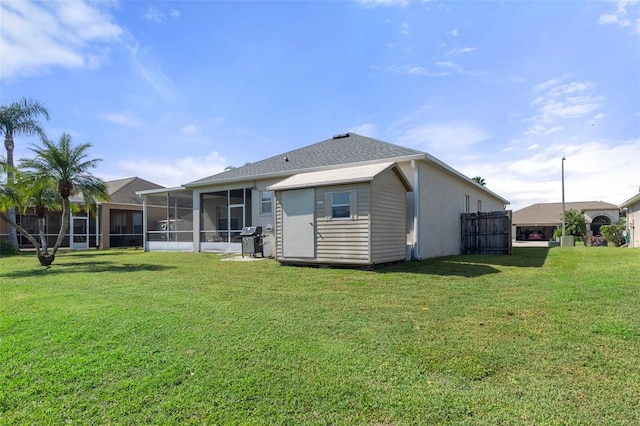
<point>176,91</point>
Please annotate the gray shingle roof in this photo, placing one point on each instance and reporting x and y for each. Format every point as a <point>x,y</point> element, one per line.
<point>551,213</point>
<point>348,149</point>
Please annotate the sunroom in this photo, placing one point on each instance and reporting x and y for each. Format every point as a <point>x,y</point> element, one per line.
<point>196,220</point>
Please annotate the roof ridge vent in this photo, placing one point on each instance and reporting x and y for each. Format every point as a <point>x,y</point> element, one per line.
<point>342,135</point>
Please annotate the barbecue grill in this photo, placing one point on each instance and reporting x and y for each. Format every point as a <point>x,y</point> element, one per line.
<point>251,240</point>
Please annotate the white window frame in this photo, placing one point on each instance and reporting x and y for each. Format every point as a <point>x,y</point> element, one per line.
<point>353,205</point>
<point>467,203</point>
<point>266,201</point>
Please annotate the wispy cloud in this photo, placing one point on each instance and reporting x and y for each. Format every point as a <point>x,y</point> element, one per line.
<point>190,129</point>
<point>440,69</point>
<point>461,51</point>
<point>557,101</point>
<point>377,3</point>
<point>156,15</point>
<point>367,129</point>
<point>418,70</point>
<point>621,15</point>
<point>126,119</point>
<point>536,177</point>
<point>71,34</point>
<point>434,137</point>
<point>152,73</point>
<point>174,172</point>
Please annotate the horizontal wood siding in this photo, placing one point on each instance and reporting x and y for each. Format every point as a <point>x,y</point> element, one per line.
<point>388,219</point>
<point>343,241</point>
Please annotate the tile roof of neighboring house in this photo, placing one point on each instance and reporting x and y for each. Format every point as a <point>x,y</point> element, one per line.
<point>551,213</point>
<point>123,191</point>
<point>344,149</point>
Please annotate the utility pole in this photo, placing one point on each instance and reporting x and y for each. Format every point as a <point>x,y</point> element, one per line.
<point>564,227</point>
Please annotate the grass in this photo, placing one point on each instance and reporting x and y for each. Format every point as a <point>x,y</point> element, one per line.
<point>126,337</point>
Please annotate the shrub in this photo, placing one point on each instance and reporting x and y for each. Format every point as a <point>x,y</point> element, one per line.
<point>6,248</point>
<point>613,233</point>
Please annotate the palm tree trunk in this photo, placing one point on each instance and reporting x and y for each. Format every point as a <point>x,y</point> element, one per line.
<point>11,213</point>
<point>43,238</point>
<point>66,208</point>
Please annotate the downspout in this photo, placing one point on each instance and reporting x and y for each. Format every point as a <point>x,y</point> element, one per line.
<point>416,211</point>
<point>144,222</point>
<point>98,211</point>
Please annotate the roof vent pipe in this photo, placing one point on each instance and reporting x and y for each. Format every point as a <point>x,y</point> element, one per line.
<point>342,135</point>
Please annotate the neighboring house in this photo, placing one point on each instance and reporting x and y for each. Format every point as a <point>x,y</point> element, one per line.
<point>122,215</point>
<point>117,223</point>
<point>348,200</point>
<point>538,221</point>
<point>632,207</point>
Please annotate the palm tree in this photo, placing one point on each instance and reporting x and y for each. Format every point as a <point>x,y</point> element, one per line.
<point>479,180</point>
<point>15,119</point>
<point>43,197</point>
<point>15,194</point>
<point>68,166</point>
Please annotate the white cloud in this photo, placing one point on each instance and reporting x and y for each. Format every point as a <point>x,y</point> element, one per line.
<point>557,101</point>
<point>154,15</point>
<point>461,51</point>
<point>595,171</point>
<point>367,129</point>
<point>447,64</point>
<point>453,33</point>
<point>417,70</point>
<point>176,172</point>
<point>126,119</point>
<point>70,34</point>
<point>436,137</point>
<point>191,129</point>
<point>376,3</point>
<point>152,73</point>
<point>547,85</point>
<point>620,16</point>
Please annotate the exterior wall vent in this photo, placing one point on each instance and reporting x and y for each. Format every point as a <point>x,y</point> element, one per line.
<point>342,135</point>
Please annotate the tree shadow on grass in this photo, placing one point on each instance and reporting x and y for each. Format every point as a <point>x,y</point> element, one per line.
<point>87,254</point>
<point>86,267</point>
<point>473,265</point>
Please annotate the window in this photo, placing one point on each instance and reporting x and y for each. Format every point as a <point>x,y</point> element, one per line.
<point>467,204</point>
<point>266,203</point>
<point>342,205</point>
<point>118,222</point>
<point>479,206</point>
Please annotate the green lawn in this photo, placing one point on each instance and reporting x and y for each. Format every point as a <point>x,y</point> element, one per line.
<point>126,337</point>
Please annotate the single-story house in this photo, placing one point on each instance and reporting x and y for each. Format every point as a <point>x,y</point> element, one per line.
<point>538,221</point>
<point>632,208</point>
<point>347,200</point>
<point>117,223</point>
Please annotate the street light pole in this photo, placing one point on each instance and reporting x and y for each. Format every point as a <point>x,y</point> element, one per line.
<point>563,211</point>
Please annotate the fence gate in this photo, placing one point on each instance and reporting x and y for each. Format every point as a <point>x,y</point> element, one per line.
<point>486,233</point>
